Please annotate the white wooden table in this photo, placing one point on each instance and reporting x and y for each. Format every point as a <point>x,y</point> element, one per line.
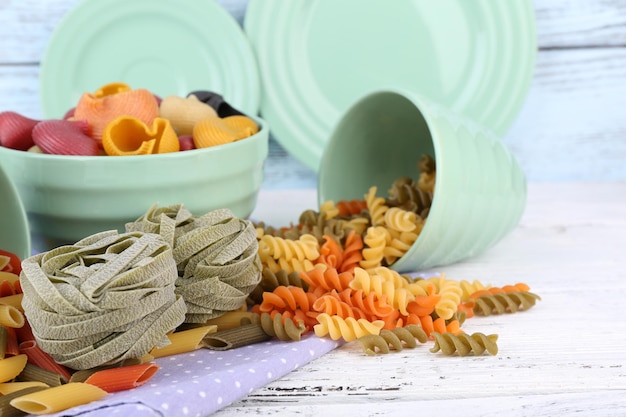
<point>566,356</point>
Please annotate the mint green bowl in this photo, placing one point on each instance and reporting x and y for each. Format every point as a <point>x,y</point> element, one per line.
<point>480,191</point>
<point>67,198</point>
<point>14,236</point>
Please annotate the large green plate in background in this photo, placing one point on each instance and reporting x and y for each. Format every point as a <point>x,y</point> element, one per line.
<point>168,47</point>
<point>317,57</point>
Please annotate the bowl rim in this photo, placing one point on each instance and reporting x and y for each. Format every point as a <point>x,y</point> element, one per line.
<point>192,153</point>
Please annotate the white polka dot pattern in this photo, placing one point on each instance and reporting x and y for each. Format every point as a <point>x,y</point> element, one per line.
<point>202,382</point>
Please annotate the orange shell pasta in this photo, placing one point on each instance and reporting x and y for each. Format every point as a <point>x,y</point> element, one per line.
<point>127,135</point>
<point>213,131</point>
<point>100,111</point>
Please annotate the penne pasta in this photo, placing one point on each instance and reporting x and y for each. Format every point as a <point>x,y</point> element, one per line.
<point>184,341</point>
<point>52,400</point>
<point>10,316</point>
<point>6,289</point>
<point>10,387</point>
<point>239,336</point>
<point>10,262</point>
<point>11,347</point>
<point>12,367</point>
<point>4,341</point>
<point>34,373</point>
<point>14,300</point>
<point>39,358</point>
<point>6,409</point>
<point>123,378</point>
<point>9,277</point>
<point>24,333</point>
<point>82,374</point>
<point>229,319</point>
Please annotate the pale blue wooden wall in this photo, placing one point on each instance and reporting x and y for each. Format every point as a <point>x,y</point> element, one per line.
<point>571,128</point>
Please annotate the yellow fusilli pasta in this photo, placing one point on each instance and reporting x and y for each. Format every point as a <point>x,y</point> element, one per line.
<point>349,329</point>
<point>376,207</point>
<point>375,240</point>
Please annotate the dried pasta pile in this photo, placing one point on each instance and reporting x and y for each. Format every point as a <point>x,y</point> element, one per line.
<point>118,120</point>
<point>87,319</point>
<point>331,274</point>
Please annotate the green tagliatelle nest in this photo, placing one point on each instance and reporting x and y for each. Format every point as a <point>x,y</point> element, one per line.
<point>107,298</point>
<point>215,255</point>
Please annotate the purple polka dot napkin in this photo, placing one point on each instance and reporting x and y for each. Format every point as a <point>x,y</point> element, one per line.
<point>201,382</point>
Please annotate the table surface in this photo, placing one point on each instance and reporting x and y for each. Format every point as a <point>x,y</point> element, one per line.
<point>565,356</point>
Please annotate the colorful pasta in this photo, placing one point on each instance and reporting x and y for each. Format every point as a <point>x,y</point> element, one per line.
<point>395,339</point>
<point>6,409</point>
<point>35,373</point>
<point>352,255</point>
<point>11,316</point>
<point>10,387</point>
<point>500,303</point>
<point>375,241</point>
<point>326,279</point>
<point>306,247</point>
<point>270,280</point>
<point>10,262</point>
<point>123,377</point>
<point>286,298</point>
<point>464,344</point>
<point>12,367</point>
<point>396,295</point>
<point>348,329</point>
<point>283,328</point>
<point>51,400</point>
<point>375,206</point>
<point>39,358</point>
<point>184,341</point>
<point>236,337</point>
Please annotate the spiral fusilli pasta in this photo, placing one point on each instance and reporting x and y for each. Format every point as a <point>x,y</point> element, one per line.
<point>348,329</point>
<point>396,339</point>
<point>464,344</point>
<point>501,303</point>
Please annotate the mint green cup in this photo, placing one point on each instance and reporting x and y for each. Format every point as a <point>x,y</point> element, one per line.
<point>67,198</point>
<point>480,190</point>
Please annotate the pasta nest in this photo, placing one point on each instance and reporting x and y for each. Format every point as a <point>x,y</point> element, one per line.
<point>216,256</point>
<point>107,298</point>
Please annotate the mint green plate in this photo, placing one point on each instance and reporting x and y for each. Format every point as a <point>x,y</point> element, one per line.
<point>317,57</point>
<point>168,47</point>
<point>14,234</point>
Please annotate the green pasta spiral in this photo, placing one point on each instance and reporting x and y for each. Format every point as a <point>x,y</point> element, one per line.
<point>270,280</point>
<point>464,344</point>
<point>501,303</point>
<point>395,339</point>
<point>107,298</point>
<point>283,329</point>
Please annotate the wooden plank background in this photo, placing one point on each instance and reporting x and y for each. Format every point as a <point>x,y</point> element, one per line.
<point>571,128</point>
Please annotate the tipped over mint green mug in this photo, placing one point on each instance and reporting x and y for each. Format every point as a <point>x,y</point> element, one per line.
<point>480,190</point>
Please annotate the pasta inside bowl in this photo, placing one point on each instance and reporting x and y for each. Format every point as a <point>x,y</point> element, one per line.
<point>67,198</point>
<point>479,192</point>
